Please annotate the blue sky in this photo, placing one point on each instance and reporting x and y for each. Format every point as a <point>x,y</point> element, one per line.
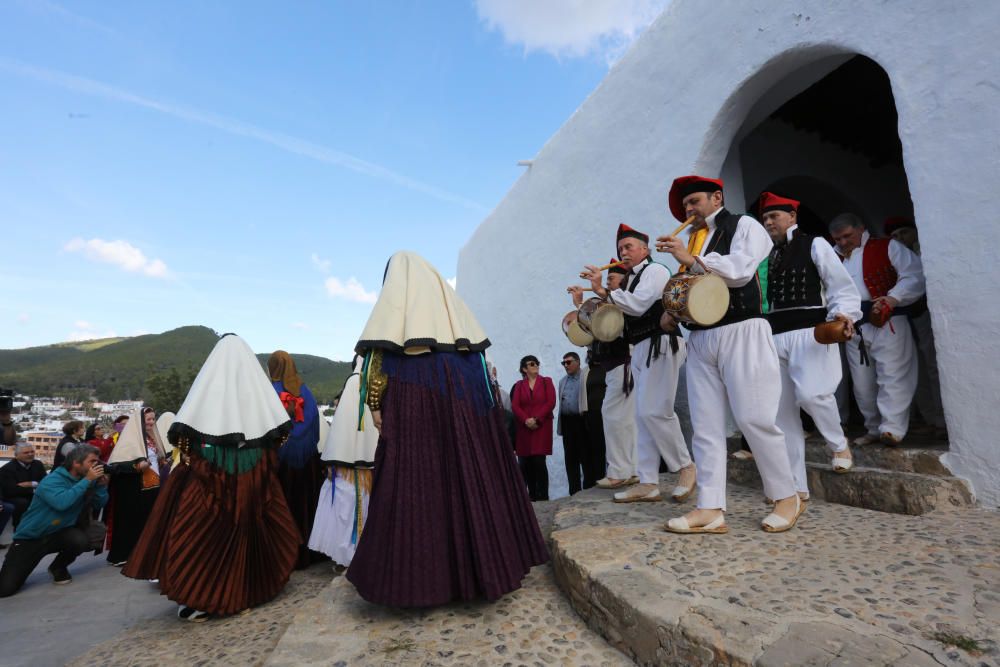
<point>250,166</point>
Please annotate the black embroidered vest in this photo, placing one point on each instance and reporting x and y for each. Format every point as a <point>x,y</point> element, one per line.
<point>744,302</point>
<point>794,288</point>
<point>607,356</point>
<point>639,328</point>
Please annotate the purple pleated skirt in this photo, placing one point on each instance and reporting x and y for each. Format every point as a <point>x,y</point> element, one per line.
<point>449,517</point>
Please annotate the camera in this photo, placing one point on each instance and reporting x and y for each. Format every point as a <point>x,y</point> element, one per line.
<point>6,400</point>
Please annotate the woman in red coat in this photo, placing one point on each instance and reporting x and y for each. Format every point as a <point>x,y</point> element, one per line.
<point>532,402</point>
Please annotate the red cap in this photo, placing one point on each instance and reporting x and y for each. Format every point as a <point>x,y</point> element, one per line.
<point>897,222</point>
<point>686,185</point>
<point>772,202</point>
<point>617,269</point>
<point>624,231</point>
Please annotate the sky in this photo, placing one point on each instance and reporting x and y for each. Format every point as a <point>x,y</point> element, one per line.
<point>250,166</point>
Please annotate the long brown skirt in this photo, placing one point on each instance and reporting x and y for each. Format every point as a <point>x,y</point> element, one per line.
<point>218,542</point>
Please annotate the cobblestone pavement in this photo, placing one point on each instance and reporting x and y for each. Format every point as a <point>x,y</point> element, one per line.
<point>236,640</point>
<point>847,586</point>
<point>532,626</point>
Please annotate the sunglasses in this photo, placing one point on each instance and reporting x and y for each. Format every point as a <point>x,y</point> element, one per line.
<point>568,362</point>
<point>531,363</point>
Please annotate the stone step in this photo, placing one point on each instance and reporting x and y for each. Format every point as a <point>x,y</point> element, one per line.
<point>874,488</point>
<point>923,459</point>
<point>846,586</point>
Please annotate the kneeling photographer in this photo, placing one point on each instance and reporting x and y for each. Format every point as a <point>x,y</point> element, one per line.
<point>51,523</point>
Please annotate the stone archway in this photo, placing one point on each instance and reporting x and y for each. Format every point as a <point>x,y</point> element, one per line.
<point>822,128</point>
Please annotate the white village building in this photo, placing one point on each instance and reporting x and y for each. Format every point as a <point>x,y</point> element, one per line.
<point>878,108</point>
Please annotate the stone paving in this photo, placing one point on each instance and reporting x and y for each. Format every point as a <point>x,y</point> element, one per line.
<point>161,639</point>
<point>532,626</point>
<point>847,586</point>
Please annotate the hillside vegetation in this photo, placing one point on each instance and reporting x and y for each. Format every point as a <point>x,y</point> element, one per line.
<point>112,369</point>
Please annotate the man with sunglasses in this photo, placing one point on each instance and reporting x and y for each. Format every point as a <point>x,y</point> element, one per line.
<point>570,424</point>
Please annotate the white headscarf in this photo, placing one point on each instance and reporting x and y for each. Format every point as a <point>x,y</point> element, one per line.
<point>345,445</point>
<point>418,311</point>
<point>131,444</point>
<point>163,423</point>
<point>231,402</point>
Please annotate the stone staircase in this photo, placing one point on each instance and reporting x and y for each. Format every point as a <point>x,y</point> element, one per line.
<point>908,479</point>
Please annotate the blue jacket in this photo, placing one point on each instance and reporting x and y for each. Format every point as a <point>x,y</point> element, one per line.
<point>57,504</point>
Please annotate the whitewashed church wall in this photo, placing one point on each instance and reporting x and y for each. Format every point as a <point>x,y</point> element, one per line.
<point>673,106</point>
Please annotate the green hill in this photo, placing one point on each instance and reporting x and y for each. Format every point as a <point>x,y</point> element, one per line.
<point>113,369</point>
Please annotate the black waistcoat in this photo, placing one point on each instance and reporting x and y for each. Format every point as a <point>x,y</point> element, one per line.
<point>609,355</point>
<point>744,302</point>
<point>640,327</point>
<point>793,282</point>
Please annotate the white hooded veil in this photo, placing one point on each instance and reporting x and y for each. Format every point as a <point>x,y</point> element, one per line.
<point>231,402</point>
<point>417,311</point>
<point>131,444</point>
<point>163,423</point>
<point>345,445</point>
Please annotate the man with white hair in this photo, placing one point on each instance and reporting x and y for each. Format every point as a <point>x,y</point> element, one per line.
<point>19,479</point>
<point>882,359</point>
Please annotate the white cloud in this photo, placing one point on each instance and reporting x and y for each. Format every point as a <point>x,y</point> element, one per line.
<point>83,324</point>
<point>570,28</point>
<point>453,282</point>
<point>351,290</point>
<point>77,336</point>
<point>278,140</point>
<point>23,317</point>
<point>300,325</point>
<point>320,263</point>
<point>120,253</point>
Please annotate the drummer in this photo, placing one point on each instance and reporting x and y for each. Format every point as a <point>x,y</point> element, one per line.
<point>732,360</point>
<point>655,366</point>
<point>806,285</point>
<point>618,407</point>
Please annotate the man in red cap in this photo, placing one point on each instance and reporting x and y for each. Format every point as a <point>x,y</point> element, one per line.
<point>806,285</point>
<point>731,361</point>
<point>655,365</point>
<point>618,407</point>
<point>889,278</point>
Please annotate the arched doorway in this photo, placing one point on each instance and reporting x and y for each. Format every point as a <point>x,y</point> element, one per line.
<point>827,135</point>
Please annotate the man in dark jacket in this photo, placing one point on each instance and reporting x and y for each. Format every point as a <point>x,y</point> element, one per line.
<point>19,479</point>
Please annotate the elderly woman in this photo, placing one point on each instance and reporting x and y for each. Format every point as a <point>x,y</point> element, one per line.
<point>532,401</point>
<point>448,517</point>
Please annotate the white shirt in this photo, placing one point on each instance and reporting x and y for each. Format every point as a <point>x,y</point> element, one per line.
<point>839,292</point>
<point>909,270</point>
<point>751,245</point>
<point>647,292</point>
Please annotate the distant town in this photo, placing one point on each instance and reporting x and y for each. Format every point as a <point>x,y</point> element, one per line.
<point>39,420</point>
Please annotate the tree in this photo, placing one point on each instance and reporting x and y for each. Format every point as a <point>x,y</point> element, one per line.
<point>166,390</point>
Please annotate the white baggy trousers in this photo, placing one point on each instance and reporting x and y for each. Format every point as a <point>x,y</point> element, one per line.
<point>884,390</point>
<point>736,364</point>
<point>618,412</point>
<point>658,430</point>
<point>810,374</point>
